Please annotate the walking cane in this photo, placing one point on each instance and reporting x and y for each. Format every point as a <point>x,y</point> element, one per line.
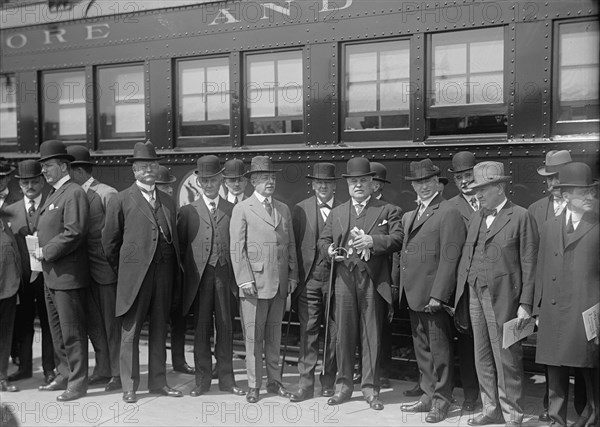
<point>287,334</point>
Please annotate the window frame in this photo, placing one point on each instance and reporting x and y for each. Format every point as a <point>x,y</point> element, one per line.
<point>363,135</point>
<point>11,144</point>
<point>571,127</point>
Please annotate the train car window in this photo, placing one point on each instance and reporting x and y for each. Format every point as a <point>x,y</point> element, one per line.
<point>466,92</point>
<point>121,103</point>
<point>64,105</point>
<point>377,86</point>
<point>274,93</point>
<point>204,97</point>
<point>8,112</point>
<point>576,104</point>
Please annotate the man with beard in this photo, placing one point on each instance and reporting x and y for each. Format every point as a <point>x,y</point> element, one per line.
<point>140,242</point>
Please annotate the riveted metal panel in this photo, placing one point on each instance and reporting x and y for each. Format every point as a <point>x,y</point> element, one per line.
<point>89,107</point>
<point>235,62</point>
<point>321,101</point>
<point>418,72</point>
<point>159,103</point>
<point>28,126</point>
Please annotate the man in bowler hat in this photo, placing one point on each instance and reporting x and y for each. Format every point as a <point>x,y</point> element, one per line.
<point>23,222</point>
<point>209,284</point>
<point>263,254</point>
<point>63,223</point>
<point>311,295</point>
<point>141,244</point>
<point>498,265</point>
<point>235,181</point>
<point>104,329</point>
<point>7,197</point>
<point>369,231</point>
<point>566,285</point>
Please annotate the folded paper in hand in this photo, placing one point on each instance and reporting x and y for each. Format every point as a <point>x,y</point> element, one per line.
<point>511,333</point>
<point>32,246</point>
<point>591,321</point>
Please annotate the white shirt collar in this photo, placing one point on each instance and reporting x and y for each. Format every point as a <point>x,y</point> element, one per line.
<point>468,198</point>
<point>328,203</point>
<point>207,201</point>
<point>501,205</point>
<point>262,198</point>
<point>36,201</point>
<point>61,182</point>
<point>364,202</point>
<point>86,185</point>
<point>428,201</point>
<point>575,217</point>
<point>149,188</point>
<point>232,197</point>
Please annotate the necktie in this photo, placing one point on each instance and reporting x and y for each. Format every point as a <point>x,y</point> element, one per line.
<point>421,210</point>
<point>235,200</point>
<point>560,205</point>
<point>473,202</point>
<point>268,207</point>
<point>488,212</point>
<point>151,198</point>
<point>325,209</point>
<point>213,209</point>
<point>570,228</point>
<point>31,209</point>
<point>359,208</point>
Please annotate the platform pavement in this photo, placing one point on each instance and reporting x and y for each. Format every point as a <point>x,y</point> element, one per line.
<point>99,408</point>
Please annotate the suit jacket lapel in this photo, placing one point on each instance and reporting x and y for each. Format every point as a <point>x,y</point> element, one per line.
<point>372,215</point>
<point>585,225</point>
<point>136,194</point>
<point>166,210</point>
<point>312,220</point>
<point>549,208</point>
<point>259,209</point>
<point>51,198</point>
<point>220,210</point>
<point>203,211</point>
<point>502,218</point>
<point>343,223</point>
<point>276,214</point>
<point>427,213</point>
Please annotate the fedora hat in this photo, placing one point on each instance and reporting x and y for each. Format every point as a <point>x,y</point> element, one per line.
<point>233,168</point>
<point>380,172</point>
<point>164,176</point>
<point>208,166</point>
<point>358,166</point>
<point>462,161</point>
<point>486,173</point>
<point>80,154</point>
<point>5,168</point>
<point>324,171</point>
<point>29,169</point>
<point>261,164</point>
<point>575,174</point>
<point>422,170</point>
<point>143,151</point>
<point>54,149</point>
<point>554,160</point>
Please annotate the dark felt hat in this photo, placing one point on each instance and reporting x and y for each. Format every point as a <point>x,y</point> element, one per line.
<point>422,170</point>
<point>324,171</point>
<point>164,176</point>
<point>575,174</point>
<point>6,168</point>
<point>380,172</point>
<point>555,159</point>
<point>29,169</point>
<point>234,168</point>
<point>462,161</point>
<point>358,166</point>
<point>80,154</point>
<point>143,151</point>
<point>54,149</point>
<point>208,166</point>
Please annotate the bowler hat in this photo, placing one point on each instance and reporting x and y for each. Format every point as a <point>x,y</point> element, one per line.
<point>208,166</point>
<point>143,151</point>
<point>261,164</point>
<point>380,172</point>
<point>486,173</point>
<point>164,176</point>
<point>80,154</point>
<point>462,161</point>
<point>324,171</point>
<point>358,166</point>
<point>443,180</point>
<point>233,168</point>
<point>555,159</point>
<point>54,149</point>
<point>422,170</point>
<point>575,174</point>
<point>29,169</point>
<point>5,168</point>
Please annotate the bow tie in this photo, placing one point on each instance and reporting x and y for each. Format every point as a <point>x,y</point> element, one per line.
<point>488,212</point>
<point>324,205</point>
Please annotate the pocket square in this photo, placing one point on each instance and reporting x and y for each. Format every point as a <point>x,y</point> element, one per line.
<point>384,222</point>
<point>52,207</point>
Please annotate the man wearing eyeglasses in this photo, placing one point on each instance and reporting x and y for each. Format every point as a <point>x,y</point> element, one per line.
<point>140,242</point>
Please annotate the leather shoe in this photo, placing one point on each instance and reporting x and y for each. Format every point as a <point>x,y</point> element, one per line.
<point>544,417</point>
<point>233,390</point>
<point>113,384</point>
<point>278,389</point>
<point>384,383</point>
<point>252,396</point>
<point>414,407</point>
<point>414,392</point>
<point>338,399</point>
<point>469,406</point>
<point>301,395</point>
<point>5,386</point>
<point>184,369</point>
<point>49,376</point>
<point>327,392</point>
<point>129,397</point>
<point>97,379</point>
<point>70,394</point>
<point>436,414</point>
<point>357,378</point>
<point>167,391</point>
<point>19,375</point>
<point>53,386</point>
<point>483,420</point>
<point>375,403</point>
<point>199,391</point>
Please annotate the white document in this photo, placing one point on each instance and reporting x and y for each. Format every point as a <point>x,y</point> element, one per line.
<point>591,321</point>
<point>32,246</point>
<point>511,334</point>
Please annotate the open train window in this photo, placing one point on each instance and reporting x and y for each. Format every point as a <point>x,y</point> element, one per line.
<point>576,104</point>
<point>376,96</point>
<point>274,97</point>
<point>8,112</point>
<point>466,83</point>
<point>120,105</point>
<point>64,105</point>
<point>203,100</point>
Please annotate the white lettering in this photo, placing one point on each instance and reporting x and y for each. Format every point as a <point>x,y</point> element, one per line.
<point>335,7</point>
<point>21,37</point>
<point>58,33</point>
<point>276,8</point>
<point>97,31</point>
<point>224,14</point>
